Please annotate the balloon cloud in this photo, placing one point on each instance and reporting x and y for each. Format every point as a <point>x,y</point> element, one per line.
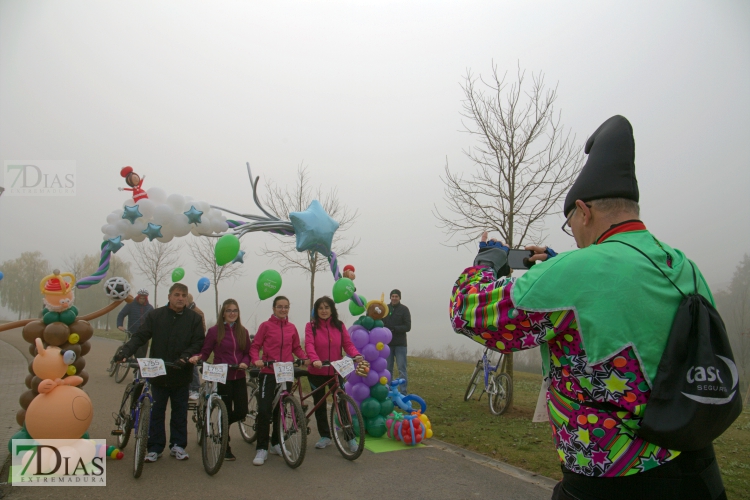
<point>152,231</point>
<point>131,214</point>
<point>193,215</point>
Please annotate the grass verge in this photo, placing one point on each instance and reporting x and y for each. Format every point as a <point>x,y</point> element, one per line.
<point>513,438</point>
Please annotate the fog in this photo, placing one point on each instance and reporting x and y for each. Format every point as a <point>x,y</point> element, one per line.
<point>367,95</point>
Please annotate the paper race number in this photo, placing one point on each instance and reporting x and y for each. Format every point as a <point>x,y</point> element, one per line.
<point>215,373</point>
<point>151,367</point>
<point>343,366</point>
<point>284,372</point>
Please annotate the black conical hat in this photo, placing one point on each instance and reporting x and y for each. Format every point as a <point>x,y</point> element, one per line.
<point>609,171</point>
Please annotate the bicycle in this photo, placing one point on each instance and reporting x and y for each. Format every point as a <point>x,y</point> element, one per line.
<point>292,423</point>
<point>248,426</point>
<point>135,412</point>
<point>499,387</point>
<point>119,370</point>
<point>212,422</point>
<point>343,428</point>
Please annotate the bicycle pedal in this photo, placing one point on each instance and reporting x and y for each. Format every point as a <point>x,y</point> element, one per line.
<point>117,432</point>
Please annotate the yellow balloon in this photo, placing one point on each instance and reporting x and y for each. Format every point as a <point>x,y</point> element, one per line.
<point>74,338</point>
<point>379,346</point>
<point>383,380</point>
<point>71,370</point>
<point>428,434</point>
<point>424,418</point>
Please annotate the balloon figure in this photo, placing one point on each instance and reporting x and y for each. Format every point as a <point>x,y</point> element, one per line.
<point>114,453</point>
<point>135,182</point>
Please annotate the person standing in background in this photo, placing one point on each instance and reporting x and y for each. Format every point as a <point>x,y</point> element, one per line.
<point>398,322</point>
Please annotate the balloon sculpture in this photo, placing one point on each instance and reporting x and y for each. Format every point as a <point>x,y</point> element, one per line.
<point>55,407</point>
<point>412,426</point>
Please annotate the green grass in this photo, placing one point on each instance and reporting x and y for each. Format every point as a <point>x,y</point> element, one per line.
<point>513,438</point>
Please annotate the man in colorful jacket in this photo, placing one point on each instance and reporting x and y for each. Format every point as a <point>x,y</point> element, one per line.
<point>601,315</point>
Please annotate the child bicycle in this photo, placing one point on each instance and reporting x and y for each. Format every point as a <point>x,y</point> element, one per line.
<point>499,387</point>
<point>212,423</point>
<point>347,432</point>
<point>292,424</point>
<point>135,413</point>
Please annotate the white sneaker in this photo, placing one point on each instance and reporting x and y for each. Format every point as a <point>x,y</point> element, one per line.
<point>152,456</point>
<point>275,450</point>
<point>353,445</point>
<point>179,453</point>
<point>193,395</point>
<point>322,443</point>
<point>260,457</point>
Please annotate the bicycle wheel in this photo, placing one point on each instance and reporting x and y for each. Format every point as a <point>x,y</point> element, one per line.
<point>247,426</point>
<point>123,420</point>
<point>473,381</point>
<point>121,372</point>
<point>141,437</point>
<point>199,417</point>
<point>499,401</point>
<point>346,427</point>
<point>215,436</point>
<point>112,368</point>
<point>292,426</point>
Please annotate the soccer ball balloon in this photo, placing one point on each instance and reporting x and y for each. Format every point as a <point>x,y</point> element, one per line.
<point>117,288</point>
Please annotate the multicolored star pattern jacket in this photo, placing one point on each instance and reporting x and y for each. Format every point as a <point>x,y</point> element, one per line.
<point>590,440</point>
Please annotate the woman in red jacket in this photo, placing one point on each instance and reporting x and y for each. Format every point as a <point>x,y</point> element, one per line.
<point>325,336</point>
<point>280,342</point>
<point>230,343</point>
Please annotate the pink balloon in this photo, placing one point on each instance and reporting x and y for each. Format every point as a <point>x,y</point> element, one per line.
<point>379,365</point>
<point>385,352</point>
<point>371,353</point>
<point>372,378</point>
<point>360,336</point>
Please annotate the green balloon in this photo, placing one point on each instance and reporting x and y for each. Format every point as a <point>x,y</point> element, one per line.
<point>354,309</point>
<point>50,317</point>
<point>68,316</point>
<point>370,407</point>
<point>22,434</point>
<point>178,274</point>
<point>368,322</point>
<point>343,289</point>
<point>268,284</point>
<point>379,392</point>
<point>226,249</point>
<point>378,323</point>
<point>386,407</point>
<point>375,426</point>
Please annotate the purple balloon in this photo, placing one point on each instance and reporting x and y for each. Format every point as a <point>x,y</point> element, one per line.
<point>372,378</point>
<point>385,373</point>
<point>371,353</point>
<point>360,337</point>
<point>348,388</point>
<point>385,352</point>
<point>379,335</point>
<point>379,364</point>
<point>360,392</point>
<point>353,378</point>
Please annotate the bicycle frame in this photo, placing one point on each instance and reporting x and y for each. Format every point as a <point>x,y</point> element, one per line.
<point>135,413</point>
<point>331,389</point>
<point>489,369</point>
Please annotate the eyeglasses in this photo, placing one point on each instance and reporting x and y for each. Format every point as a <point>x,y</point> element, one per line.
<point>566,224</point>
<point>232,311</point>
<point>282,307</point>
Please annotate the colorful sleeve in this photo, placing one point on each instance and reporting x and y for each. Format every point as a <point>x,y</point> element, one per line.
<point>481,308</point>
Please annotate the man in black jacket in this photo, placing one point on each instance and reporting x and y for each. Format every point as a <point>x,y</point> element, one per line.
<point>176,334</point>
<point>398,322</point>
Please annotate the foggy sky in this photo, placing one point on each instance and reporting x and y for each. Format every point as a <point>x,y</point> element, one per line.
<point>367,95</point>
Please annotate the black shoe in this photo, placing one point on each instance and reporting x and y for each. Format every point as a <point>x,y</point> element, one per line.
<point>228,456</point>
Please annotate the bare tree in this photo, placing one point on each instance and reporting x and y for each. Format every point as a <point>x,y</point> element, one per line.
<point>19,290</point>
<point>155,261</point>
<point>524,163</point>
<point>202,250</point>
<point>281,202</point>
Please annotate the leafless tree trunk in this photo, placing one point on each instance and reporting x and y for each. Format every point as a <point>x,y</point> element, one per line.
<point>155,261</point>
<point>281,202</point>
<point>524,162</point>
<point>202,250</point>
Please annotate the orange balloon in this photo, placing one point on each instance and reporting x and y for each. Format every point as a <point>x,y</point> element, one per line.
<point>63,413</point>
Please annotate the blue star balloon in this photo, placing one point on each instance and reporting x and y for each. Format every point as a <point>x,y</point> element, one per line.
<point>193,215</point>
<point>239,258</point>
<point>314,229</point>
<point>115,244</point>
<point>152,231</point>
<point>132,213</point>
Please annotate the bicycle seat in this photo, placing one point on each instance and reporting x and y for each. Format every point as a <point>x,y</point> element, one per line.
<point>299,372</point>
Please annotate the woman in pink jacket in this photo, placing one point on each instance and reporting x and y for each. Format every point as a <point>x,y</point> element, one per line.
<point>325,336</point>
<point>230,343</point>
<point>280,342</point>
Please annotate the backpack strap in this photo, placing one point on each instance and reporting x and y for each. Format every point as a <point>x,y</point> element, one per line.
<point>695,282</point>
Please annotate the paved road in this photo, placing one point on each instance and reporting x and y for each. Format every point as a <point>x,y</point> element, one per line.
<point>437,471</point>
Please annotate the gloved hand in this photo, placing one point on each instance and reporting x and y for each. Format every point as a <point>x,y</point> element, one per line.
<point>183,362</point>
<point>119,356</point>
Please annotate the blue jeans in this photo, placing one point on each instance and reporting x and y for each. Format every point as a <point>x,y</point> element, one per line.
<point>195,385</point>
<point>157,436</point>
<point>399,352</point>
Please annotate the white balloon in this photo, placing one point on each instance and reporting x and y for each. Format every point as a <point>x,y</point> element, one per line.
<point>163,215</point>
<point>128,203</point>
<point>217,225</point>
<point>195,231</point>
<point>167,231</point>
<point>166,239</point>
<point>122,226</point>
<point>113,218</point>
<point>146,207</point>
<point>202,206</point>
<point>180,226</point>
<point>110,230</point>
<point>157,195</point>
<point>139,238</point>
<point>176,201</point>
<point>223,226</point>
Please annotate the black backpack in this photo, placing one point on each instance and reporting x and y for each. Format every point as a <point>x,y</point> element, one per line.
<point>695,395</point>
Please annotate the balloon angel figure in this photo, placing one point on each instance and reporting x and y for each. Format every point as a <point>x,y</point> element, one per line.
<point>135,182</point>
